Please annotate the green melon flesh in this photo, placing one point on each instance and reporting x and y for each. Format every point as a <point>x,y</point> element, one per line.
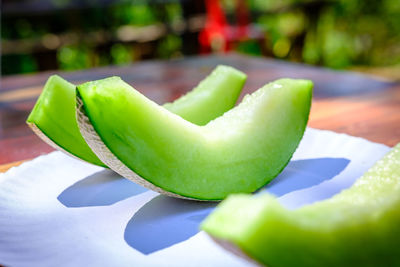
<point>358,227</point>
<point>239,152</point>
<point>53,117</point>
<point>213,96</point>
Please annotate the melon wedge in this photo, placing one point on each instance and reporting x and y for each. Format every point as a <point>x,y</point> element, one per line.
<point>239,152</point>
<point>53,117</point>
<point>358,227</point>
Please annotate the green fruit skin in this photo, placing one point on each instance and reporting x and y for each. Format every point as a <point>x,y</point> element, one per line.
<point>358,227</point>
<point>54,112</point>
<point>54,115</point>
<point>238,152</point>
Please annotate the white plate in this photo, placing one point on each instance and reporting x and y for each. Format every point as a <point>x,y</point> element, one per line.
<point>58,211</point>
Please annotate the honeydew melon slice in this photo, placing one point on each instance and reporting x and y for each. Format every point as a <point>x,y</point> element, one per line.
<point>240,151</point>
<point>53,117</point>
<point>358,227</point>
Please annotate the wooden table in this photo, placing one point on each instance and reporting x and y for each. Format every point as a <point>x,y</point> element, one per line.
<point>345,102</point>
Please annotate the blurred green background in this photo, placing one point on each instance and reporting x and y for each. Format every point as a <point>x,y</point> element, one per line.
<point>38,35</point>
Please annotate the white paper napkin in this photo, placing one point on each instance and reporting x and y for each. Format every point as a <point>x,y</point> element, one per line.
<point>58,211</point>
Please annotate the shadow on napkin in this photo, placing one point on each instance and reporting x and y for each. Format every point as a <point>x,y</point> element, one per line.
<point>301,174</point>
<point>100,189</point>
<point>165,221</point>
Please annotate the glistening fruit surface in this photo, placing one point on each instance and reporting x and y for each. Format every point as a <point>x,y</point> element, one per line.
<point>238,152</point>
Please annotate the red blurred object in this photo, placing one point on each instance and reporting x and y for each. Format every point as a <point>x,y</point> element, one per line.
<point>218,35</point>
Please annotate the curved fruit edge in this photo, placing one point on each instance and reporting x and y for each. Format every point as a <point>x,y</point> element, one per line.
<point>105,155</point>
<point>50,142</point>
<point>234,249</point>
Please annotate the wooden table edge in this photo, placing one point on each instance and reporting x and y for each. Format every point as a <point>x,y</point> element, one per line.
<point>7,166</point>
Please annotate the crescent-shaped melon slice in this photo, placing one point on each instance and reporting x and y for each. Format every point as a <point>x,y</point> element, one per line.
<point>240,151</point>
<point>358,227</point>
<point>53,117</point>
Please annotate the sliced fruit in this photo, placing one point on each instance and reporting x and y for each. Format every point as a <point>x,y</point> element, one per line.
<point>211,98</point>
<point>358,227</point>
<point>53,120</point>
<point>238,152</point>
<point>53,117</point>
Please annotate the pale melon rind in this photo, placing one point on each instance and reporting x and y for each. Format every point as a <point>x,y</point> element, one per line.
<point>106,156</point>
<point>50,142</point>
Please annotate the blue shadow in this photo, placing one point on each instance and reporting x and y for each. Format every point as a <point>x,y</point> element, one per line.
<point>300,174</point>
<point>100,189</point>
<point>165,221</point>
